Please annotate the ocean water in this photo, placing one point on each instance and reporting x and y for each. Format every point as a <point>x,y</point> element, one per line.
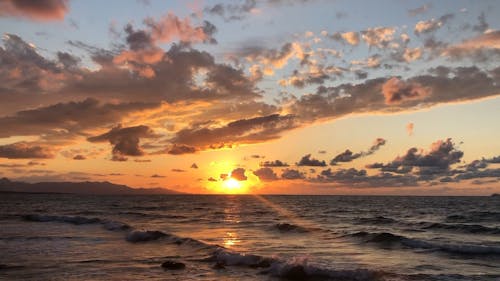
<point>78,237</point>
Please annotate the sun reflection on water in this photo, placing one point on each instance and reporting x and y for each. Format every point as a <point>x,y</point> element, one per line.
<point>230,240</point>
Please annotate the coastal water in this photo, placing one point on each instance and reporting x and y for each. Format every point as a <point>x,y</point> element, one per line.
<point>82,237</point>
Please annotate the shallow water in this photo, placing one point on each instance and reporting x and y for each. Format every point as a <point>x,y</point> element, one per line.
<point>75,237</point>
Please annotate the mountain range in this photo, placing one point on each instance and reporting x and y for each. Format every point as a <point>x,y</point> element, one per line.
<point>86,187</point>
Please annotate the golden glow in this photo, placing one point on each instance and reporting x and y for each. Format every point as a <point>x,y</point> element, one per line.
<point>232,184</point>
<point>230,240</point>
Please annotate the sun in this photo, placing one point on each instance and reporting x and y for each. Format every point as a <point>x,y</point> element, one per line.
<point>232,185</point>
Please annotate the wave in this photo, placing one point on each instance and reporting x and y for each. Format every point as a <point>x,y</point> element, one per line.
<point>469,228</point>
<point>77,220</point>
<point>475,216</point>
<point>288,227</point>
<point>295,268</point>
<point>376,220</point>
<point>143,236</point>
<point>389,239</point>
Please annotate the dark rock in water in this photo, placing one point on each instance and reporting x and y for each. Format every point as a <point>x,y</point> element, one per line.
<point>495,195</point>
<point>287,227</point>
<point>142,236</point>
<point>297,272</point>
<point>173,265</point>
<point>263,263</point>
<point>219,265</point>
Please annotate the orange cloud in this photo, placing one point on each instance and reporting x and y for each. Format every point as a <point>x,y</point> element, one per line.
<point>397,91</point>
<point>41,10</point>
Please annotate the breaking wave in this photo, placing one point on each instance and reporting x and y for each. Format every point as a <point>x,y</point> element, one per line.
<point>389,239</point>
<point>77,220</point>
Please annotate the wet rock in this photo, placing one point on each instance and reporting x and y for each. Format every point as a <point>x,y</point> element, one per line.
<point>219,265</point>
<point>173,265</point>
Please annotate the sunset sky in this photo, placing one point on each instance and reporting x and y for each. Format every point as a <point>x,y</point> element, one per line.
<point>262,96</point>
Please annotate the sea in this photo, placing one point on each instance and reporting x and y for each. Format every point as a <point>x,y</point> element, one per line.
<point>248,237</point>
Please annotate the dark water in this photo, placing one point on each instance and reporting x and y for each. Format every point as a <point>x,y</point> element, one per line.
<point>75,237</point>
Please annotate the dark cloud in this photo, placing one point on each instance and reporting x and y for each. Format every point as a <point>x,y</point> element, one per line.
<point>494,160</point>
<point>266,174</point>
<point>42,10</point>
<point>157,176</point>
<point>212,179</point>
<point>481,48</point>
<point>125,141</point>
<point>275,163</point>
<point>178,170</point>
<point>437,160</point>
<point>179,149</point>
<point>239,174</point>
<point>194,166</point>
<point>232,11</point>
<point>482,25</point>
<point>74,117</point>
<point>251,130</point>
<point>21,150</point>
<point>67,60</point>
<point>419,10</point>
<point>359,178</point>
<point>463,84</point>
<point>348,155</point>
<point>306,160</point>
<point>79,157</point>
<point>291,174</point>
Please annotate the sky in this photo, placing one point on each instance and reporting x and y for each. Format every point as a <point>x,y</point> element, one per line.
<point>254,96</point>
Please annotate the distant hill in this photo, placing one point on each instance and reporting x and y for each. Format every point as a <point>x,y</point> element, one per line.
<point>86,187</point>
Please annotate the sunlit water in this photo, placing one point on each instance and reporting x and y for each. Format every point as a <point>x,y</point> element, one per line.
<point>75,237</point>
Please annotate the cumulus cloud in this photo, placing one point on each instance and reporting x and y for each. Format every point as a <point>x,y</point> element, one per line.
<point>441,155</point>
<point>79,157</point>
<point>125,141</point>
<point>41,10</point>
<point>271,59</point>
<point>379,37</point>
<point>351,37</point>
<point>239,174</point>
<point>170,27</point>
<point>427,26</point>
<point>20,150</point>
<point>358,178</point>
<point>179,149</point>
<point>397,91</point>
<point>308,161</point>
<point>291,174</point>
<point>275,163</point>
<point>432,24</point>
<point>266,174</point>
